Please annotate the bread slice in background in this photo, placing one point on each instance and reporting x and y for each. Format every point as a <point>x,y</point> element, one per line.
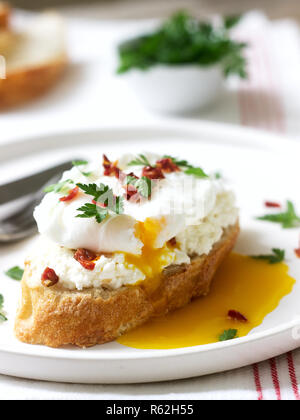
<point>7,36</point>
<point>5,12</point>
<point>35,60</point>
<point>56,316</point>
<point>7,41</point>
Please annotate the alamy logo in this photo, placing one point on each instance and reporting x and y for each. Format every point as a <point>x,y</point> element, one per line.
<point>2,67</point>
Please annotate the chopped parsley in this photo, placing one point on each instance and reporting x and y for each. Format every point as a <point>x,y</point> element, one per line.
<point>180,163</point>
<point>2,316</point>
<point>198,172</point>
<point>140,160</point>
<point>218,175</point>
<point>79,163</point>
<point>103,202</point>
<point>60,187</point>
<point>143,185</point>
<point>287,219</point>
<point>15,273</point>
<point>275,258</point>
<point>183,39</point>
<point>228,335</point>
<point>188,168</point>
<point>90,210</point>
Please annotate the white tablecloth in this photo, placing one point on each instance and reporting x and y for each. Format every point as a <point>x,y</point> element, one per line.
<point>91,95</point>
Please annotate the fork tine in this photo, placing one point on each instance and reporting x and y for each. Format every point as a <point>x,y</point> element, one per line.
<point>21,224</point>
<point>17,235</point>
<point>16,217</point>
<point>23,215</point>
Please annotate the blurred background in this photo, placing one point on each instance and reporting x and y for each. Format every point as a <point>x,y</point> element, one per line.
<point>107,9</point>
<point>269,99</point>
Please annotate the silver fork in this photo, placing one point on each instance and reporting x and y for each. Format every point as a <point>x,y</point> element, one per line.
<point>20,223</point>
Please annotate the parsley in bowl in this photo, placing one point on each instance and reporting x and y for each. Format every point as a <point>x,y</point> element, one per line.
<point>181,65</point>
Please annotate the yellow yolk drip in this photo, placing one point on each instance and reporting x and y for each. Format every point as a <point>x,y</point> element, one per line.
<point>252,287</point>
<point>152,261</point>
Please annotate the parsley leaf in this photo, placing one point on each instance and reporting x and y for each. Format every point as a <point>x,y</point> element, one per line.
<point>180,163</point>
<point>60,187</point>
<point>198,172</point>
<point>15,273</point>
<point>90,210</point>
<point>287,219</point>
<point>94,190</point>
<point>79,163</point>
<point>101,195</point>
<point>183,39</point>
<point>277,256</point>
<point>2,316</point>
<point>218,175</point>
<point>190,169</point>
<point>119,205</point>
<point>228,335</point>
<point>143,185</point>
<point>141,160</point>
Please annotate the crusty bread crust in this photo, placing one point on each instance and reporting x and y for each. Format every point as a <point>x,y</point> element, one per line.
<point>25,85</point>
<point>55,317</point>
<point>35,57</point>
<point>7,37</point>
<point>5,12</point>
<point>7,41</point>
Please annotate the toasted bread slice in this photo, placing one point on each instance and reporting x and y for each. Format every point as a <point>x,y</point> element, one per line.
<point>35,62</point>
<point>7,41</point>
<point>5,12</point>
<point>7,36</point>
<point>57,317</point>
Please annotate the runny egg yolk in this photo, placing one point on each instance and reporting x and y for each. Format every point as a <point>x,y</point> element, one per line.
<point>153,260</point>
<point>252,287</point>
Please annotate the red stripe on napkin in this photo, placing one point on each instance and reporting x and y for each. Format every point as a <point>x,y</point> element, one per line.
<point>275,378</point>
<point>293,376</point>
<point>256,375</point>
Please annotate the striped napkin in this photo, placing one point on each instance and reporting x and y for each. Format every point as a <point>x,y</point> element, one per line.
<point>269,100</point>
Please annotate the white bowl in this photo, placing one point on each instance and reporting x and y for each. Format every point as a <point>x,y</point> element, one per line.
<point>176,89</point>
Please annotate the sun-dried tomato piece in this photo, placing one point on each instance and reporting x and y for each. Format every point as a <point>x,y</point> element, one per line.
<point>272,204</point>
<point>297,252</point>
<point>85,258</point>
<point>49,277</point>
<point>152,173</point>
<point>167,165</point>
<point>133,175</point>
<point>131,193</point>
<point>110,168</point>
<point>236,316</point>
<point>172,241</point>
<point>72,194</point>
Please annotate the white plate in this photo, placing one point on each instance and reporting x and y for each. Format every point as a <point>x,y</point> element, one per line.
<point>259,166</point>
